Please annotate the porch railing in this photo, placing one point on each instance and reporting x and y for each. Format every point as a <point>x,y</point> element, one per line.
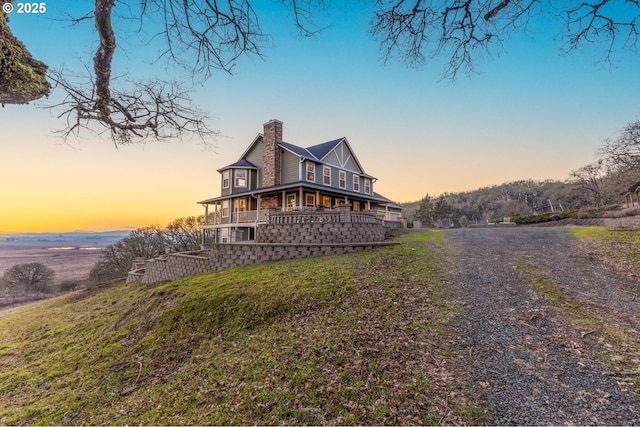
<point>301,215</point>
<point>236,217</point>
<point>312,215</point>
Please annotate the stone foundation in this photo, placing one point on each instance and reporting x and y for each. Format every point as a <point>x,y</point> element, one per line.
<point>286,235</point>
<point>223,256</point>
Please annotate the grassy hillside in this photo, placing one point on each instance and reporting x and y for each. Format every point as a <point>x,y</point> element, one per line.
<point>355,339</point>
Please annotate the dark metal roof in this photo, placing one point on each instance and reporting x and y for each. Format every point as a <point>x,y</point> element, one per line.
<point>321,150</point>
<point>302,152</point>
<point>242,163</point>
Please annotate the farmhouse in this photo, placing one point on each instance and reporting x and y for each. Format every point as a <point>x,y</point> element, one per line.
<point>274,177</point>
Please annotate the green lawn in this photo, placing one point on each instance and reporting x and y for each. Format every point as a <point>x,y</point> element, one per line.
<point>353,339</point>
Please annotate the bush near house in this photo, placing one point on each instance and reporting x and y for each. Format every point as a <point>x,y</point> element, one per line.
<point>539,218</point>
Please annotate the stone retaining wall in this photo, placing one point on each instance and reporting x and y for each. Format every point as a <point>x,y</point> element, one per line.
<point>315,233</point>
<point>222,256</point>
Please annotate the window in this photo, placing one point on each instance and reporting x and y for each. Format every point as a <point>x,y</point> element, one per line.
<point>225,208</point>
<point>326,175</point>
<point>310,200</point>
<point>241,206</point>
<point>225,179</point>
<point>342,179</point>
<point>326,201</point>
<point>291,200</point>
<point>367,185</point>
<point>311,171</point>
<point>356,205</point>
<point>241,177</point>
<point>356,183</point>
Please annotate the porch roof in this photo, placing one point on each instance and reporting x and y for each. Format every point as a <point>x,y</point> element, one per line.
<point>375,197</point>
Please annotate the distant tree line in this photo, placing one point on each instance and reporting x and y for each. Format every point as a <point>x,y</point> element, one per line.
<point>598,184</point>
<point>180,235</point>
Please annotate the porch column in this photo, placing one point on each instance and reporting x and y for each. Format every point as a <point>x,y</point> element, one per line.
<point>284,200</point>
<point>317,198</point>
<point>258,200</point>
<point>300,197</point>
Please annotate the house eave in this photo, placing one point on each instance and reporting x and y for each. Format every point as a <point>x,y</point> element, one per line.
<point>375,197</point>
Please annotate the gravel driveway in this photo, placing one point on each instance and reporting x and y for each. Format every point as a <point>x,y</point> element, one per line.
<point>521,359</point>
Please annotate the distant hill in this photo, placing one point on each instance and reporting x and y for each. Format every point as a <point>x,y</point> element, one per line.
<point>522,197</point>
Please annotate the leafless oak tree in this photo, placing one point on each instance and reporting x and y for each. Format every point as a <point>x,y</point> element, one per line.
<point>209,35</point>
<point>28,277</point>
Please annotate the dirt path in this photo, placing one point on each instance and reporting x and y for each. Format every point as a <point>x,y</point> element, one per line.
<point>522,357</point>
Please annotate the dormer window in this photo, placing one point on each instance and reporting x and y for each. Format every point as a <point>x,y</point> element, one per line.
<point>311,171</point>
<point>225,179</point>
<point>240,178</point>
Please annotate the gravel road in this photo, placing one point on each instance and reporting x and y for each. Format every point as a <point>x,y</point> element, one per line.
<point>521,359</point>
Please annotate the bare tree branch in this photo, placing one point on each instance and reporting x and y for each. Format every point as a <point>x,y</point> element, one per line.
<point>217,33</point>
<point>613,23</point>
<point>623,152</point>
<point>137,112</point>
<point>460,30</point>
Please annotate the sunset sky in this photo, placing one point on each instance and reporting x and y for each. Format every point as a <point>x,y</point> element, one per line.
<point>531,113</point>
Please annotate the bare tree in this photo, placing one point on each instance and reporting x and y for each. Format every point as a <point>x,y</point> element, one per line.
<point>204,36</point>
<point>185,234</point>
<point>623,152</point>
<point>30,277</point>
<point>464,30</point>
<point>589,180</point>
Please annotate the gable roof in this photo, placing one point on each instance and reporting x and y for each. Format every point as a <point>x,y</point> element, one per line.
<point>317,152</point>
<point>320,151</point>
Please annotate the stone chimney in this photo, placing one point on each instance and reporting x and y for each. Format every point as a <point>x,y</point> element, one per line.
<point>271,153</point>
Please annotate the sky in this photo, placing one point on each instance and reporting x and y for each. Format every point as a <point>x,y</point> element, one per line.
<point>529,113</point>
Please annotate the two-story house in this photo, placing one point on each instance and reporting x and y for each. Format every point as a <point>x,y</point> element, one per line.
<point>272,173</point>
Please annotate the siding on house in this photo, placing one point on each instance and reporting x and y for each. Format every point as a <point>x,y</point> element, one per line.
<point>290,167</point>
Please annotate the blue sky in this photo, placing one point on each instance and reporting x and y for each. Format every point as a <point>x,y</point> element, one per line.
<point>530,113</point>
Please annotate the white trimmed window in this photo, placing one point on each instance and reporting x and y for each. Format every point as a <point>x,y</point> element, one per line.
<point>342,179</point>
<point>310,200</point>
<point>225,208</point>
<point>326,175</point>
<point>291,200</point>
<point>311,171</point>
<point>356,183</point>
<point>367,186</point>
<point>240,177</point>
<point>225,179</point>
